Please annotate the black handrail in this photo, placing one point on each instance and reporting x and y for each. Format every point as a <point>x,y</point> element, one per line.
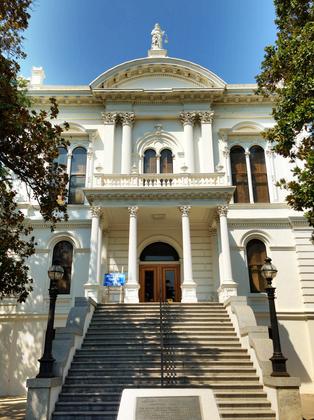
<point>161,332</point>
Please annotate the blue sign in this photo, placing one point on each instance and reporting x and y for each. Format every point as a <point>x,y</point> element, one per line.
<point>114,279</point>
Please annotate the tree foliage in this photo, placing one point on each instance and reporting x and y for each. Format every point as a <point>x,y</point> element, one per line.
<point>28,147</point>
<point>288,73</point>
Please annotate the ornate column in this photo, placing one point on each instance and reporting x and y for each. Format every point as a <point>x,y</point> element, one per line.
<point>132,286</point>
<point>271,173</point>
<point>249,175</point>
<point>188,284</point>
<point>127,119</point>
<point>188,120</point>
<point>89,166</point>
<point>207,150</point>
<point>227,164</point>
<point>92,286</point>
<point>107,136</point>
<point>228,287</point>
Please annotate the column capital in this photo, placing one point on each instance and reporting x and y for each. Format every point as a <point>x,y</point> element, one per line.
<point>188,117</point>
<point>127,118</point>
<point>109,117</point>
<point>96,211</point>
<point>206,117</point>
<point>133,211</point>
<point>185,210</point>
<point>222,211</point>
<point>247,153</point>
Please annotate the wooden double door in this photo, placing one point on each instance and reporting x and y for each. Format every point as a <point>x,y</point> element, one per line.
<point>160,279</point>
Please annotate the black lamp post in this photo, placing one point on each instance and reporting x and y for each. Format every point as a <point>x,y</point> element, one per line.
<point>269,272</point>
<point>55,274</point>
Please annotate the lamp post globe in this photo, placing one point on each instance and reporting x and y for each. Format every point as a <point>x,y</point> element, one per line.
<point>269,272</point>
<point>55,274</point>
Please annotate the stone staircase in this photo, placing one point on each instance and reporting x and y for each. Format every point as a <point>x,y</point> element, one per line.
<point>121,350</point>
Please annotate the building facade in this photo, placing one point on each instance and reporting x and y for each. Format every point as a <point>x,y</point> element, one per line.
<point>172,184</point>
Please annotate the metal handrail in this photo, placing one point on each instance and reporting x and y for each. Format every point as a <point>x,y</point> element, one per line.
<point>161,337</point>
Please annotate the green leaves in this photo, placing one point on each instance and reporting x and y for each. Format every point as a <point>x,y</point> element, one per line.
<point>288,73</point>
<point>29,144</point>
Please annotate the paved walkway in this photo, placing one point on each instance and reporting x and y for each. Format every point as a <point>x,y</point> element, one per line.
<point>13,408</point>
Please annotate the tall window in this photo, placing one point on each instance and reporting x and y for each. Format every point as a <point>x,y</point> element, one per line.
<point>63,255</point>
<point>62,158</point>
<point>259,175</point>
<point>77,176</point>
<point>150,161</point>
<point>166,163</point>
<point>256,254</point>
<point>239,175</point>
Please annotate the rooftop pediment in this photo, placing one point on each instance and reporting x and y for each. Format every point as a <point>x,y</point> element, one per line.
<point>157,73</point>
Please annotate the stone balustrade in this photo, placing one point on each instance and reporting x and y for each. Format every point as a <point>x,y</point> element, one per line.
<point>160,180</point>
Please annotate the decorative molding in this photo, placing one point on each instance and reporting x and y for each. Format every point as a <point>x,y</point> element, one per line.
<point>133,210</point>
<point>185,210</point>
<point>96,211</point>
<point>67,225</point>
<point>206,117</point>
<point>109,117</point>
<point>188,117</point>
<point>222,210</point>
<point>127,118</point>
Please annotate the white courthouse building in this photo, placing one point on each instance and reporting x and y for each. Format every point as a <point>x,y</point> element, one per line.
<point>172,183</point>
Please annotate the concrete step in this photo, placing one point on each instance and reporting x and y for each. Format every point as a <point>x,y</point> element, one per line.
<point>91,415</point>
<point>144,352</point>
<point>90,396</point>
<point>137,371</point>
<point>247,413</point>
<point>152,378</point>
<point>112,364</point>
<point>106,335</point>
<point>84,406</point>
<point>231,386</point>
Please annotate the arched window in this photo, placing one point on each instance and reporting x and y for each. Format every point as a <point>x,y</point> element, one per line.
<point>62,157</point>
<point>159,251</point>
<point>239,175</point>
<point>63,255</point>
<point>77,176</point>
<point>256,254</point>
<point>259,175</point>
<point>150,162</point>
<point>166,163</point>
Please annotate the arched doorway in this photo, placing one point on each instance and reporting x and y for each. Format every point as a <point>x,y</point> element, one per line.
<point>159,273</point>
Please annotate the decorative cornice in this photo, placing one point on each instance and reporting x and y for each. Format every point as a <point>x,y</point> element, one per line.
<point>123,196</point>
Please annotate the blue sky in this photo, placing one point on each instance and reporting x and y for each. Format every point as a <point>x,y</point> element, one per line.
<point>76,40</point>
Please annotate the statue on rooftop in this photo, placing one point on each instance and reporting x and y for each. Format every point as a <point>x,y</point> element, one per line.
<point>157,34</point>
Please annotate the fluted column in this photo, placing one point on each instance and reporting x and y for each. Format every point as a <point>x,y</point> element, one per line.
<point>207,150</point>
<point>127,120</point>
<point>228,287</point>
<point>92,286</point>
<point>249,175</point>
<point>188,284</point>
<point>107,135</point>
<point>132,286</point>
<point>188,120</point>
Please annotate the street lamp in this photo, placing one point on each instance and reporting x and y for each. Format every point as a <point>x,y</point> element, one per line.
<point>55,274</point>
<point>269,272</point>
